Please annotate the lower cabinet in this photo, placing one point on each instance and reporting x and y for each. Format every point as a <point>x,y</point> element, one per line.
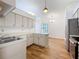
<point>29,39</point>
<point>38,39</point>
<point>43,40</point>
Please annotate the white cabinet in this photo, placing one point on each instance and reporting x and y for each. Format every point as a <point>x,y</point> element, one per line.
<point>25,22</point>
<point>43,40</point>
<point>29,39</point>
<point>30,23</point>
<point>1,22</point>
<point>71,9</point>
<point>11,2</point>
<point>18,21</point>
<point>33,23</point>
<point>36,39</point>
<point>10,20</point>
<point>28,19</point>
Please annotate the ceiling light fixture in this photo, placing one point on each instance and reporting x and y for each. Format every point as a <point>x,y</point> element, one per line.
<point>45,9</point>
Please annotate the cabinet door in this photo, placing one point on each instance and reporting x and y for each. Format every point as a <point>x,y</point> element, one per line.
<point>29,39</point>
<point>10,20</point>
<point>18,21</point>
<point>1,22</point>
<point>43,40</point>
<point>30,23</point>
<point>25,22</point>
<point>33,23</point>
<point>35,39</point>
<point>11,2</point>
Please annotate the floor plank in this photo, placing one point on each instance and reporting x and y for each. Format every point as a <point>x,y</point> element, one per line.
<point>56,50</point>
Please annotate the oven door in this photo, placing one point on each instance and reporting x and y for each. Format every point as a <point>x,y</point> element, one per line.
<point>73,49</point>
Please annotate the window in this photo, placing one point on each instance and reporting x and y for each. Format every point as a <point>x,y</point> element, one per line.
<point>44,28</point>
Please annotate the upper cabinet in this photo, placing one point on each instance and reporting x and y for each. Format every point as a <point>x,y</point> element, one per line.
<point>30,23</point>
<point>18,21</point>
<point>10,20</point>
<point>25,22</point>
<point>11,2</point>
<point>1,22</point>
<point>72,10</point>
<point>76,14</point>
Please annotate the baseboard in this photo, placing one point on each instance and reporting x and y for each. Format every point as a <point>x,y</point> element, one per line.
<point>35,45</point>
<point>38,45</point>
<point>29,46</point>
<point>56,38</point>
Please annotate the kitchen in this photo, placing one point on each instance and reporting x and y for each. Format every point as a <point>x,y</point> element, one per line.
<point>22,31</point>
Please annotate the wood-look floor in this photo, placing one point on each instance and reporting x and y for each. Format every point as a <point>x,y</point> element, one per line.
<point>56,50</point>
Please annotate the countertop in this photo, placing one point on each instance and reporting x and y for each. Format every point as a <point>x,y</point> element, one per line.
<point>74,35</point>
<point>11,43</point>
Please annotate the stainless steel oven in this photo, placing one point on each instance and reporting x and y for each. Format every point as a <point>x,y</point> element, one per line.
<point>73,48</point>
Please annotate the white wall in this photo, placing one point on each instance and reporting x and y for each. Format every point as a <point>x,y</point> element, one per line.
<point>57,28</point>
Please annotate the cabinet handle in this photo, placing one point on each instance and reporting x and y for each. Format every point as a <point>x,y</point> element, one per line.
<point>72,42</point>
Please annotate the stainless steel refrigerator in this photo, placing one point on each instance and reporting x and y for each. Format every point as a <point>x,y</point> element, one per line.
<point>72,28</point>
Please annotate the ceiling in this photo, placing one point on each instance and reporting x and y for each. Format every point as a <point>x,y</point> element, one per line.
<point>37,6</point>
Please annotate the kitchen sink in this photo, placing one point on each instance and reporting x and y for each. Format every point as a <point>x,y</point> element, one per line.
<point>8,39</point>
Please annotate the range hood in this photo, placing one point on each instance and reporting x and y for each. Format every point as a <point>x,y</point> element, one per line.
<point>5,8</point>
